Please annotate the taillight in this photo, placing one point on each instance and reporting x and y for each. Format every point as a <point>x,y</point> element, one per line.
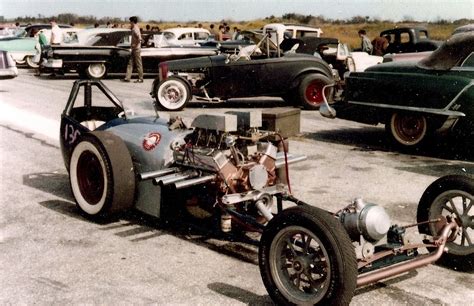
<point>163,70</point>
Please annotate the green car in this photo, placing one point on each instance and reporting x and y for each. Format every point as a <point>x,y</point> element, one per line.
<point>415,99</point>
<point>21,48</point>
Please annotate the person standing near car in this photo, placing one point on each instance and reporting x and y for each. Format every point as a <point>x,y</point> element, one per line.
<point>56,33</point>
<point>380,44</point>
<point>135,57</point>
<point>366,45</point>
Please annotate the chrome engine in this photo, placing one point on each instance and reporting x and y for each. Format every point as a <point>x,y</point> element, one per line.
<point>230,155</point>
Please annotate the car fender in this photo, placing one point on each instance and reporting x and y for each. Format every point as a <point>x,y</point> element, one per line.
<point>297,79</point>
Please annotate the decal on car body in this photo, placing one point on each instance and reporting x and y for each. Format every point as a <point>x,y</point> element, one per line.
<point>151,140</point>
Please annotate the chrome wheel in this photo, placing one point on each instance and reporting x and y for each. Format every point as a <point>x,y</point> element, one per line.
<point>173,94</point>
<point>96,71</point>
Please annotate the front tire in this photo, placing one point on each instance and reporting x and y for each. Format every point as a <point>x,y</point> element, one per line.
<point>31,63</point>
<point>407,129</point>
<point>306,257</point>
<point>101,174</point>
<point>96,71</point>
<point>451,195</point>
<point>172,94</point>
<point>310,90</point>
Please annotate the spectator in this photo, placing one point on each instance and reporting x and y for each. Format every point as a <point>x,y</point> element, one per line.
<point>214,32</point>
<point>366,45</point>
<point>96,25</point>
<point>220,34</point>
<point>135,58</point>
<point>38,58</point>
<point>109,25</point>
<point>147,27</point>
<point>226,35</point>
<point>200,25</point>
<point>236,35</point>
<point>380,45</point>
<point>56,33</point>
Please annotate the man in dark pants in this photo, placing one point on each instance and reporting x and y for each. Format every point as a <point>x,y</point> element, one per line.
<point>135,57</point>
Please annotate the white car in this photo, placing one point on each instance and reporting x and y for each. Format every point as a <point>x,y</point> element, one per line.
<point>284,31</point>
<point>186,36</point>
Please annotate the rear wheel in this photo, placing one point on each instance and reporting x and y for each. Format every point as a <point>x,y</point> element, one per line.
<point>451,195</point>
<point>172,94</point>
<point>407,129</point>
<point>101,174</point>
<point>310,90</point>
<point>306,257</point>
<point>96,71</point>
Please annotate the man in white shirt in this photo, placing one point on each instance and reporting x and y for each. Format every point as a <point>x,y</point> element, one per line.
<point>56,33</point>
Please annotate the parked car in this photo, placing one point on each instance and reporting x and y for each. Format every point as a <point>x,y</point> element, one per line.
<point>108,52</point>
<point>263,71</point>
<point>414,99</point>
<point>333,52</point>
<point>283,31</point>
<point>409,39</point>
<point>186,36</point>
<point>8,68</point>
<point>22,46</point>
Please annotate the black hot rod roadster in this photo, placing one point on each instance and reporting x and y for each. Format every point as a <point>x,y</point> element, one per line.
<point>232,170</point>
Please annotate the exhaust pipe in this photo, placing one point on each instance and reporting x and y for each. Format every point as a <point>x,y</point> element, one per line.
<point>194,182</point>
<point>421,261</point>
<point>158,173</point>
<point>172,178</point>
<point>280,162</point>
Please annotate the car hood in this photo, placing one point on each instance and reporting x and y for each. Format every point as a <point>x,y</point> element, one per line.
<point>191,63</point>
<point>402,67</point>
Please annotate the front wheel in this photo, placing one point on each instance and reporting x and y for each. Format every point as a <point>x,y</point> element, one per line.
<point>407,129</point>
<point>172,94</point>
<point>101,174</point>
<point>310,90</point>
<point>451,195</point>
<point>306,257</point>
<point>31,63</point>
<point>96,71</point>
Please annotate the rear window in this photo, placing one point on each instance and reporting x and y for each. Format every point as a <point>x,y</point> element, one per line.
<point>423,35</point>
<point>404,38</point>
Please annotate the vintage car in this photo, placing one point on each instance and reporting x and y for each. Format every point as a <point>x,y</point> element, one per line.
<point>409,39</point>
<point>8,68</point>
<point>22,46</point>
<point>333,52</point>
<point>224,169</point>
<point>186,36</point>
<point>260,70</point>
<point>109,52</point>
<point>414,99</point>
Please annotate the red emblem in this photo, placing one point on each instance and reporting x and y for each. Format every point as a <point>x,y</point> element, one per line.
<point>151,141</point>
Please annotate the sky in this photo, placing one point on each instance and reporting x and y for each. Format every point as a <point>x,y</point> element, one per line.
<point>242,10</point>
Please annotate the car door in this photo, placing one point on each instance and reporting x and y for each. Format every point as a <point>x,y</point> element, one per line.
<point>233,79</point>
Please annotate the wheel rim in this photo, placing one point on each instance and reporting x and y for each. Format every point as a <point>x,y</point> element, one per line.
<point>172,94</point>
<point>96,70</point>
<point>300,265</point>
<point>314,92</point>
<point>459,204</point>
<point>90,178</point>
<point>408,129</point>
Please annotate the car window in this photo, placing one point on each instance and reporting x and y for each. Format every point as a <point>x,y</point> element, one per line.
<point>186,36</point>
<point>200,35</point>
<point>306,34</point>
<point>469,61</point>
<point>168,35</point>
<point>404,38</point>
<point>423,35</point>
<point>70,37</point>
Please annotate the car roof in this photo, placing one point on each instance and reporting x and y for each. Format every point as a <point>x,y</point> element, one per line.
<point>179,31</point>
<point>466,28</point>
<point>450,53</point>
